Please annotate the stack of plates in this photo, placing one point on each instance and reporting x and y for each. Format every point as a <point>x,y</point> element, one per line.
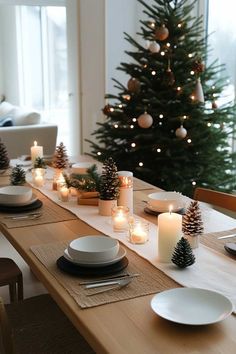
<point>93,255</point>
<point>18,199</point>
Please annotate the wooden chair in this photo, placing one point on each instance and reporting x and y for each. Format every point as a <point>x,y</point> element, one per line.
<point>37,326</point>
<point>223,200</point>
<point>10,274</point>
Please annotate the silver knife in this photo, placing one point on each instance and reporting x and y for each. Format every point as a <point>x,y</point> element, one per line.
<point>227,236</point>
<point>109,282</point>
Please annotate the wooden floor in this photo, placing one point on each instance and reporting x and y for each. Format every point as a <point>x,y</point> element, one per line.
<point>32,286</point>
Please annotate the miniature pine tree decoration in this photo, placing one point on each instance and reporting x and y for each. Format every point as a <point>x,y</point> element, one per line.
<point>158,124</point>
<point>183,256</point>
<point>4,159</point>
<point>39,163</point>
<point>60,159</point>
<point>109,181</point>
<point>192,224</point>
<point>17,176</point>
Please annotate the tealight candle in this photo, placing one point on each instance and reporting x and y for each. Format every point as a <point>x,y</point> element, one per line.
<point>120,216</point>
<point>64,194</point>
<point>38,176</point>
<point>36,151</point>
<point>60,181</point>
<point>138,232</point>
<point>169,233</point>
<point>126,190</point>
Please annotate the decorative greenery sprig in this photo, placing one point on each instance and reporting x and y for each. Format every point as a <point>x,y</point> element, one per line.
<point>88,182</point>
<point>40,163</point>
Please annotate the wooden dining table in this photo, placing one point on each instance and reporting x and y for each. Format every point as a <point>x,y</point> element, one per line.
<point>128,326</point>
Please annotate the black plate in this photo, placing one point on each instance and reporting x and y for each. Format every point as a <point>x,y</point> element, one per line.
<point>19,209</point>
<point>231,248</point>
<point>153,212</point>
<point>75,269</point>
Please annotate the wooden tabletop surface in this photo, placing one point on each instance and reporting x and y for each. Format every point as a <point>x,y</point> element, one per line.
<point>129,326</point>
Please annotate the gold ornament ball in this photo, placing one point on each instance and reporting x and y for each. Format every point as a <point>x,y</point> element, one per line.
<point>145,120</point>
<point>181,132</point>
<point>133,85</point>
<point>154,47</point>
<point>161,33</point>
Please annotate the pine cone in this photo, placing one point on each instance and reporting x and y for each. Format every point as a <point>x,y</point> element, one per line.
<point>183,256</point>
<point>4,159</point>
<point>17,176</point>
<point>192,224</point>
<point>60,159</point>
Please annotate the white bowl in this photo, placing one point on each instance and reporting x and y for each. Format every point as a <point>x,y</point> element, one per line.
<point>93,248</point>
<point>80,167</point>
<point>15,194</point>
<point>163,201</point>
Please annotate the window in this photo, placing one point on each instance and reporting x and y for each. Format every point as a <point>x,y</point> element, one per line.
<point>42,43</point>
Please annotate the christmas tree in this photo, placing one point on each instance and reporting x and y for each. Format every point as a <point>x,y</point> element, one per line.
<point>164,125</point>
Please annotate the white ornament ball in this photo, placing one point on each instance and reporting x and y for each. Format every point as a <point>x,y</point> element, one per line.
<point>154,47</point>
<point>145,120</point>
<point>181,132</point>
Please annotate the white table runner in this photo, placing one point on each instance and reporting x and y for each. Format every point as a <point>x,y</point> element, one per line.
<point>212,270</point>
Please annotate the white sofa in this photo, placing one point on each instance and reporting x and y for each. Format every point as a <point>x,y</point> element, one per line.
<point>21,128</point>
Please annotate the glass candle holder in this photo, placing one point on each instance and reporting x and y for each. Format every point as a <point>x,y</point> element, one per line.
<point>138,231</point>
<point>120,217</point>
<point>64,193</point>
<point>38,175</point>
<point>60,181</point>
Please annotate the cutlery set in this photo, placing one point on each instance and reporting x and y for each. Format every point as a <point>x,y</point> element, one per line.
<point>118,282</point>
<point>30,216</point>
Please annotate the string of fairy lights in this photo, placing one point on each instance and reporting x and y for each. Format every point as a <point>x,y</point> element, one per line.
<point>144,121</point>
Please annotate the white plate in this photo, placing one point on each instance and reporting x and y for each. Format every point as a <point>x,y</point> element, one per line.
<point>161,210</point>
<point>31,201</point>
<point>121,254</point>
<point>192,306</point>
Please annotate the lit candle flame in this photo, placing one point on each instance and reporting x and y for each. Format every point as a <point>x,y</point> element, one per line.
<point>35,143</point>
<point>170,209</point>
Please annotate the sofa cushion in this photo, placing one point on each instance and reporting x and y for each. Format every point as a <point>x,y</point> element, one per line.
<point>24,117</point>
<point>6,120</point>
<point>19,116</point>
<point>5,108</point>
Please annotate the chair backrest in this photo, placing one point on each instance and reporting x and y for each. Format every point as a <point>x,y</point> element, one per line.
<point>223,200</point>
<point>6,340</point>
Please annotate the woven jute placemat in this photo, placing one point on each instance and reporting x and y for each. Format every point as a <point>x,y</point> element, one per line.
<point>50,213</point>
<point>211,240</point>
<point>150,281</point>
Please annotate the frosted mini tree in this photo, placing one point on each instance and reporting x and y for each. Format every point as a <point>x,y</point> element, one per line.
<point>164,125</point>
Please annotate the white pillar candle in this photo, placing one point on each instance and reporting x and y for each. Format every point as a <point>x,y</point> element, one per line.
<point>169,233</point>
<point>126,190</point>
<point>36,151</point>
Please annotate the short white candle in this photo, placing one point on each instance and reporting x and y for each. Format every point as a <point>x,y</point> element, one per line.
<point>139,233</point>
<point>120,221</point>
<point>60,181</point>
<point>120,216</point>
<point>38,179</point>
<point>36,151</point>
<point>64,194</point>
<point>169,233</point>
